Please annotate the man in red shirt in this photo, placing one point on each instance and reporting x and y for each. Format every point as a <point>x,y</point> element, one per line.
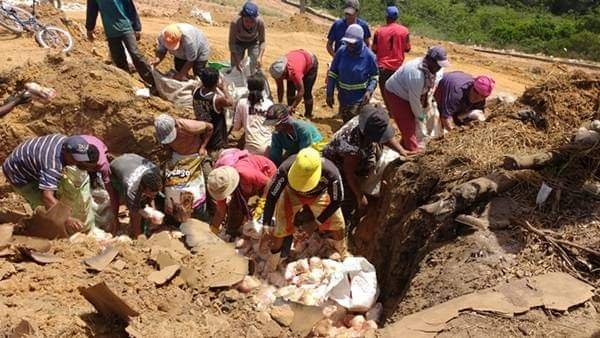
<point>389,44</point>
<point>232,185</point>
<point>299,68</point>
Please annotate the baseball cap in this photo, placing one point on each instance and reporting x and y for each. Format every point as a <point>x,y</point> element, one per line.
<point>276,114</point>
<point>374,124</point>
<point>172,36</point>
<point>438,54</point>
<point>250,9</point>
<point>165,128</point>
<point>222,182</point>
<point>278,67</point>
<point>351,7</point>
<point>484,85</point>
<point>392,12</point>
<point>354,33</point>
<point>305,172</point>
<point>78,147</point>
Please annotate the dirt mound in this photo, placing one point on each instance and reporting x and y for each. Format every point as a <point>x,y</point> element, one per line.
<point>297,23</point>
<point>92,98</point>
<point>424,263</point>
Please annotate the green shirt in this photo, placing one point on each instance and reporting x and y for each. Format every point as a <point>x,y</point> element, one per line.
<point>119,17</point>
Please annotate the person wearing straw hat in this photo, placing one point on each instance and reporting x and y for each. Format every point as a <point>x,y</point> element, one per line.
<point>461,97</point>
<point>299,68</point>
<point>407,92</point>
<point>189,47</point>
<point>355,149</point>
<point>290,135</point>
<point>339,27</point>
<point>232,185</point>
<point>310,182</point>
<point>247,34</point>
<point>353,72</point>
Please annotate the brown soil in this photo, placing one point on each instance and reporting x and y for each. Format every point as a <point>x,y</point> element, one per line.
<point>420,260</point>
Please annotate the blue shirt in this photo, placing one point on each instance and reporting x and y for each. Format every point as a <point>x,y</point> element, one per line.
<point>352,74</point>
<point>303,136</point>
<point>338,29</point>
<point>36,160</point>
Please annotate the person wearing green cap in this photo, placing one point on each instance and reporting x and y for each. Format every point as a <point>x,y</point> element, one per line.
<point>305,180</point>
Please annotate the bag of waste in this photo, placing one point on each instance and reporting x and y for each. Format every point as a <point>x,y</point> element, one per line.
<point>183,175</point>
<point>103,213</point>
<point>355,285</point>
<point>179,92</point>
<point>74,191</point>
<point>372,185</point>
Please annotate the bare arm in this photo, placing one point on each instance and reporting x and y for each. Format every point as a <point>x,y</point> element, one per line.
<point>350,164</point>
<point>219,217</point>
<point>299,95</point>
<point>330,48</point>
<point>280,89</point>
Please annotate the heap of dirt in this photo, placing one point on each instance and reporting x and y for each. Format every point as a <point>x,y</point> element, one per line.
<point>93,98</point>
<point>423,263</point>
<point>297,23</point>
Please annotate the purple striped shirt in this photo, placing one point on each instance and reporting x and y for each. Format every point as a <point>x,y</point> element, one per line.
<point>36,160</point>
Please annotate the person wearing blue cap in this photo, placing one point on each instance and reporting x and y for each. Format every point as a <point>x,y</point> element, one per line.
<point>339,27</point>
<point>247,33</point>
<point>390,42</point>
<point>353,72</point>
<point>35,168</point>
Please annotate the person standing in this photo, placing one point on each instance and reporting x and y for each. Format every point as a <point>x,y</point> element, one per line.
<point>123,29</point>
<point>407,92</point>
<point>390,42</point>
<point>458,94</point>
<point>339,27</point>
<point>247,33</point>
<point>187,44</point>
<point>354,73</point>
<point>299,68</point>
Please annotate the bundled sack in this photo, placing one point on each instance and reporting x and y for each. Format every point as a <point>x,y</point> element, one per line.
<point>179,92</point>
<point>185,188</point>
<point>355,286</point>
<point>74,191</point>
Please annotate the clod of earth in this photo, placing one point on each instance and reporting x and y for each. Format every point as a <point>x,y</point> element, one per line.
<point>103,259</point>
<point>107,303</point>
<point>39,257</point>
<point>164,275</point>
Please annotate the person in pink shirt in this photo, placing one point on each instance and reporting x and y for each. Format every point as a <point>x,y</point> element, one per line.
<point>390,43</point>
<point>299,67</point>
<point>232,185</point>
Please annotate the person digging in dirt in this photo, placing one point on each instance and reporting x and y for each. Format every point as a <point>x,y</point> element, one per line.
<point>355,150</point>
<point>247,33</point>
<point>290,135</point>
<point>187,140</point>
<point>305,180</point>
<point>137,181</point>
<point>460,97</point>
<point>299,68</point>
<point>189,47</point>
<point>390,43</point>
<point>35,167</point>
<point>407,91</point>
<point>13,101</point>
<point>123,29</point>
<point>232,186</point>
<point>354,72</point>
<point>339,27</point>
<point>250,116</point>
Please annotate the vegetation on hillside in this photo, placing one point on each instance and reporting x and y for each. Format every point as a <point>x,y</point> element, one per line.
<point>565,28</point>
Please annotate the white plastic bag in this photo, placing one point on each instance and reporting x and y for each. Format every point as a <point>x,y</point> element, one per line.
<point>103,212</point>
<point>179,92</point>
<point>355,286</point>
<point>372,185</point>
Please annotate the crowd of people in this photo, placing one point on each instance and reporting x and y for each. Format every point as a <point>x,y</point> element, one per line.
<point>284,159</point>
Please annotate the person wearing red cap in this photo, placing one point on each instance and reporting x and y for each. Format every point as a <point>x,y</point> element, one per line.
<point>459,94</point>
<point>187,44</point>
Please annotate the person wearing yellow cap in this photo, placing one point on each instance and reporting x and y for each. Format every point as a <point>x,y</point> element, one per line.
<point>305,181</point>
<point>187,44</point>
